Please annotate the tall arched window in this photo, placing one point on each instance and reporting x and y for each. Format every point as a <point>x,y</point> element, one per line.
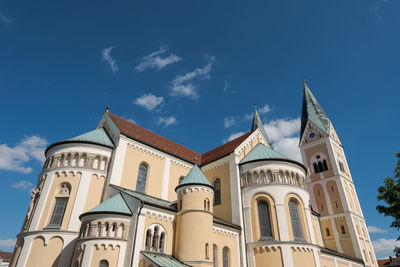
<point>264,220</point>
<point>161,243</point>
<point>206,251</point>
<point>60,205</point>
<point>141,179</point>
<point>295,219</point>
<point>215,255</point>
<point>103,263</point>
<point>225,257</point>
<point>217,191</point>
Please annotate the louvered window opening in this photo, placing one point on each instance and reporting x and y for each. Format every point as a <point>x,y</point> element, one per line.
<point>225,257</point>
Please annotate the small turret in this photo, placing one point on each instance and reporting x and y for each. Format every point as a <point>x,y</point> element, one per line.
<point>195,198</point>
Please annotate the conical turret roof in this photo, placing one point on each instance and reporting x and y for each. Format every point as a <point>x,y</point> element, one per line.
<point>195,177</point>
<point>257,123</point>
<point>260,152</point>
<point>98,136</point>
<point>115,204</point>
<point>312,111</point>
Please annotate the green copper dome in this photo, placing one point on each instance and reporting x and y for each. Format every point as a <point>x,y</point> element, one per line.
<point>195,177</point>
<point>98,136</point>
<point>116,204</point>
<point>312,111</point>
<point>260,152</point>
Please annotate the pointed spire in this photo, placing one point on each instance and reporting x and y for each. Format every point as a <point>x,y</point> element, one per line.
<point>258,124</point>
<point>194,177</point>
<point>312,111</point>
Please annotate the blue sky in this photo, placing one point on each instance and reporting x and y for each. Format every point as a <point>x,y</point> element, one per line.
<point>192,71</point>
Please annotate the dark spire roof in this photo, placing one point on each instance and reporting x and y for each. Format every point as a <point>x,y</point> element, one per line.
<point>258,124</point>
<point>312,111</point>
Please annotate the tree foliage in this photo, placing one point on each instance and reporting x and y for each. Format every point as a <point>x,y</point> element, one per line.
<point>390,193</point>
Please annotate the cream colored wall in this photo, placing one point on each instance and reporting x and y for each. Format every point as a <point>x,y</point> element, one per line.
<point>109,253</point>
<point>222,240</point>
<point>176,171</point>
<point>302,214</point>
<point>343,264</point>
<point>255,226</point>
<point>58,179</point>
<point>329,240</point>
<point>321,149</point>
<point>303,257</point>
<point>45,255</point>
<point>95,192</point>
<point>194,200</point>
<point>223,210</point>
<point>334,196</point>
<point>133,158</point>
<point>345,239</point>
<point>169,231</point>
<point>325,262</point>
<point>319,196</point>
<point>268,257</point>
<point>317,231</point>
<point>194,230</point>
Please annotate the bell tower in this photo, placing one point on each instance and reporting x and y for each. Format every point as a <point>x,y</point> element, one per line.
<point>331,187</point>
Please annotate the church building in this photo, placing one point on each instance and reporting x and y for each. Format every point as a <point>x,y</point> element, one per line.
<point>121,195</point>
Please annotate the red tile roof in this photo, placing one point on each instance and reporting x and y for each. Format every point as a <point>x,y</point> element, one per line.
<point>157,141</point>
<point>5,256</point>
<point>223,150</point>
<point>383,262</point>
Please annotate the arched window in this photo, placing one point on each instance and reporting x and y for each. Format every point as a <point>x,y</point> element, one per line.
<point>328,233</point>
<point>217,191</point>
<point>343,229</point>
<point>340,162</point>
<point>215,255</point>
<point>181,179</point>
<point>206,251</point>
<point>295,219</point>
<point>315,167</point>
<point>141,179</point>
<point>148,240</point>
<point>207,204</point>
<point>225,257</point>
<point>60,205</point>
<point>161,243</point>
<point>320,167</point>
<point>325,165</point>
<point>264,220</point>
<point>103,263</point>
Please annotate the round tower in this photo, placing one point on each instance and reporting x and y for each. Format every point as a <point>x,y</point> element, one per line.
<point>71,182</point>
<point>194,219</point>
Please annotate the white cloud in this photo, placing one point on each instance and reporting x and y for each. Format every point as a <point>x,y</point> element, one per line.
<point>23,185</point>
<point>283,135</point>
<point>264,109</point>
<point>183,85</point>
<point>229,121</point>
<point>167,121</point>
<point>233,136</point>
<point>376,11</point>
<point>375,229</point>
<point>149,101</point>
<point>281,128</point>
<point>5,19</point>
<point>13,158</point>
<point>385,247</point>
<point>7,242</point>
<point>107,57</point>
<point>226,86</point>
<point>155,61</point>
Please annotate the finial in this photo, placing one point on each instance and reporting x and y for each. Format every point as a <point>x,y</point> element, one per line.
<point>195,161</point>
<point>303,79</point>
<point>255,107</point>
<point>107,108</point>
